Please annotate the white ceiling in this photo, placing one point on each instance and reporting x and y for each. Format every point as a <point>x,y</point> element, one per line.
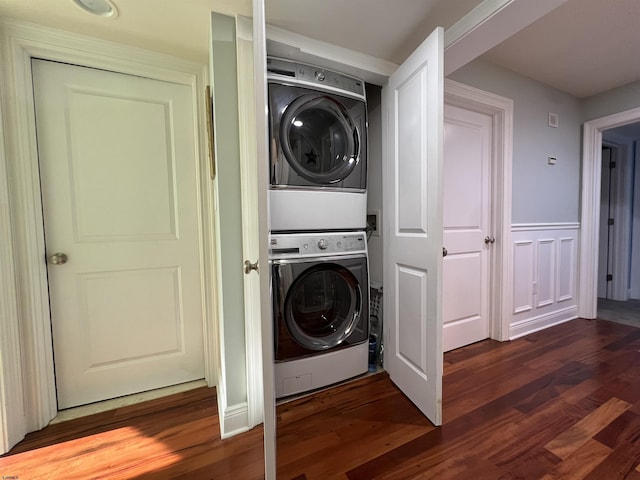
<point>176,27</point>
<point>380,28</point>
<point>583,47</point>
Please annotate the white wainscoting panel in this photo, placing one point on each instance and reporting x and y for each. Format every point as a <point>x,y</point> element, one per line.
<point>545,285</point>
<point>544,273</point>
<point>523,280</point>
<point>567,269</point>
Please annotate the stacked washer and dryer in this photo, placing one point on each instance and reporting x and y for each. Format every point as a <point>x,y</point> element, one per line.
<point>318,206</point>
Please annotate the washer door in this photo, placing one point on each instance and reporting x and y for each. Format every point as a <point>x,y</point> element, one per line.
<point>323,306</point>
<point>319,139</point>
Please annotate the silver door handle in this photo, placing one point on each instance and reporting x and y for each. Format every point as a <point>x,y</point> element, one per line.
<point>58,258</point>
<point>488,239</point>
<point>248,266</point>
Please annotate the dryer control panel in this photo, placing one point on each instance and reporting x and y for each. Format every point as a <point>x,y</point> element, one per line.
<point>296,245</point>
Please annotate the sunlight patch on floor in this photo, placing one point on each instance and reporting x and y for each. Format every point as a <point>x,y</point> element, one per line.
<point>114,403</point>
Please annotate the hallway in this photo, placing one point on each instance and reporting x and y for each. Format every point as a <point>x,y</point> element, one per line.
<point>627,313</point>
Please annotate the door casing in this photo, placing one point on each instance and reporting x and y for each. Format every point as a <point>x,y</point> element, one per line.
<point>590,206</point>
<point>22,42</point>
<point>500,109</point>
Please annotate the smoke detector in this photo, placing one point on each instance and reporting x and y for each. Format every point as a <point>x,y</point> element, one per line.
<point>100,8</point>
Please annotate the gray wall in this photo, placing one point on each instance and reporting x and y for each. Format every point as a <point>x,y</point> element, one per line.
<point>374,179</point>
<point>225,92</point>
<point>614,101</point>
<point>542,193</point>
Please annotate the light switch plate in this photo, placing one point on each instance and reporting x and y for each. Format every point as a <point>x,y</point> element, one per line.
<point>552,160</point>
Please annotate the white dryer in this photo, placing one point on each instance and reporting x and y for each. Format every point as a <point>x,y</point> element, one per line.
<point>318,148</point>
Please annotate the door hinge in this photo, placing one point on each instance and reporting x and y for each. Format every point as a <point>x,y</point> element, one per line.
<point>610,221</point>
<point>609,278</point>
<point>612,164</point>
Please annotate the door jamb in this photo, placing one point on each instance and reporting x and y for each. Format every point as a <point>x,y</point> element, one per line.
<point>22,42</point>
<point>590,206</point>
<point>501,111</point>
<point>622,149</point>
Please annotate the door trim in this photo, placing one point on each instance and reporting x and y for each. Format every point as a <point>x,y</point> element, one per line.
<point>11,394</point>
<point>501,272</point>
<point>249,164</point>
<point>22,42</point>
<point>590,206</point>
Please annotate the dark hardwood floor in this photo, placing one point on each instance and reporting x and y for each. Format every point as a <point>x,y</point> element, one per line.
<point>173,437</point>
<point>561,403</point>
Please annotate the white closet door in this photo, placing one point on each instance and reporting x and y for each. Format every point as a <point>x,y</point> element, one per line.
<point>413,252</point>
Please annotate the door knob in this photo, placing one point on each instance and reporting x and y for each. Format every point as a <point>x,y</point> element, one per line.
<point>488,239</point>
<point>248,266</point>
<point>58,258</point>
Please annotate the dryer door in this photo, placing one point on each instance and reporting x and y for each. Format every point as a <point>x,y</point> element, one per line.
<point>321,141</point>
<point>326,304</point>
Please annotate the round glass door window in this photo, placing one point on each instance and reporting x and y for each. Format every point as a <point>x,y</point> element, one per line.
<point>323,306</point>
<point>319,139</point>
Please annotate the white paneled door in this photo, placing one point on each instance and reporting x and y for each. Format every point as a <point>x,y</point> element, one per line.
<point>468,237</point>
<point>413,213</point>
<point>119,194</point>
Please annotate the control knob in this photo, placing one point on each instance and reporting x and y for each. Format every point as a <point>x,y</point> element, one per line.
<point>323,244</point>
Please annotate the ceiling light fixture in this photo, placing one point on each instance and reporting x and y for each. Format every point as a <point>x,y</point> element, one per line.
<point>100,8</point>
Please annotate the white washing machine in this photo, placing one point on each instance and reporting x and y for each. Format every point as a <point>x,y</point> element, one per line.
<point>318,148</point>
<point>320,285</point>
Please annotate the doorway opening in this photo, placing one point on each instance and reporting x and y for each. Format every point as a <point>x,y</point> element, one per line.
<point>618,282</point>
<point>616,134</point>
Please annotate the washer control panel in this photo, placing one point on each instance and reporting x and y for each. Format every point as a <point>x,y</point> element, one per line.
<point>283,245</point>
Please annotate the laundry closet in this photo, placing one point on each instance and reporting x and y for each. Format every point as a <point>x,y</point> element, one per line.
<point>369,220</point>
<point>318,164</point>
<point>407,227</point>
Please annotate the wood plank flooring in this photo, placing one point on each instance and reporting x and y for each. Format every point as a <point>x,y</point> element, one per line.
<point>169,438</point>
<point>561,403</point>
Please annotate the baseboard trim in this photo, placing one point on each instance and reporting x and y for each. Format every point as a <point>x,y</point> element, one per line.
<point>531,325</point>
<point>234,420</point>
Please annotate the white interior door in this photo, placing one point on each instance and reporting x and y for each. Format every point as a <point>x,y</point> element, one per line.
<point>413,252</point>
<point>119,193</point>
<point>467,233</point>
